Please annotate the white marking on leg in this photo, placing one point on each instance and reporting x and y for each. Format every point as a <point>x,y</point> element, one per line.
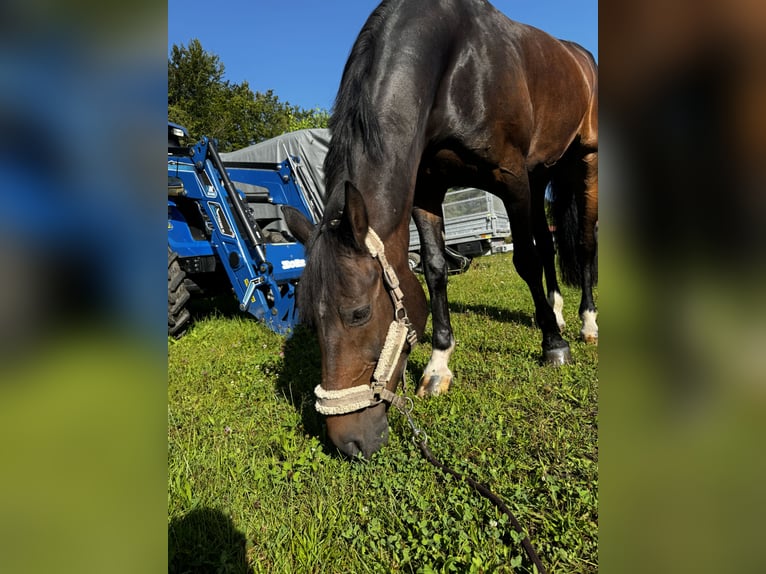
<point>589,331</point>
<point>439,360</point>
<point>437,367</point>
<point>556,301</point>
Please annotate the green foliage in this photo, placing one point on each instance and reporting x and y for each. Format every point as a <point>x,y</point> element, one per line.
<point>201,100</point>
<point>298,119</point>
<point>253,487</point>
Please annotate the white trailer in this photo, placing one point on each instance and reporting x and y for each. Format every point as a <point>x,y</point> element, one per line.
<point>475,223</point>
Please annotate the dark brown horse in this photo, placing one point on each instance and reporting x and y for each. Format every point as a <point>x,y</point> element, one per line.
<point>452,95</point>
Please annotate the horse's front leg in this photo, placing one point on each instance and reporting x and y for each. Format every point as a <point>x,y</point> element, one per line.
<point>437,376</point>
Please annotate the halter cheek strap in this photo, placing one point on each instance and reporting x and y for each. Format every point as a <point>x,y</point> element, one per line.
<point>400,331</point>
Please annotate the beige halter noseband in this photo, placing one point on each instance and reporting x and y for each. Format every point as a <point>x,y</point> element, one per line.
<point>400,331</point>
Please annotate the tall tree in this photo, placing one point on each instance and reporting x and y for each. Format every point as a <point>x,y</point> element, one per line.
<point>206,104</point>
<point>195,87</point>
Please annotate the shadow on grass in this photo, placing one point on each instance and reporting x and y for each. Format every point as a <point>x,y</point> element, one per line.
<point>204,307</point>
<point>502,315</point>
<point>302,372</point>
<point>205,540</point>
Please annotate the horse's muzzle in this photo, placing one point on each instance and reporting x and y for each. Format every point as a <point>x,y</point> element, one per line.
<point>364,431</point>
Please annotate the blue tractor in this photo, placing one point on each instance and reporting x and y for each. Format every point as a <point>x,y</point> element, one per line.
<point>226,233</point>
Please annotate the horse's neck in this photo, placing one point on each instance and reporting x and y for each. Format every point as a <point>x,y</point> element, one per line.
<point>388,200</point>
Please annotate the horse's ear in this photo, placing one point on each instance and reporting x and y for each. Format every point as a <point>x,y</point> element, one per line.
<point>355,214</point>
<point>298,224</point>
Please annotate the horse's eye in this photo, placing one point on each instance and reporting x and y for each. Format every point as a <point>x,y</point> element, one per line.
<point>356,317</point>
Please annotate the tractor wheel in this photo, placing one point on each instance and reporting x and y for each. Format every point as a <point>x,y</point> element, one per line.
<point>178,295</point>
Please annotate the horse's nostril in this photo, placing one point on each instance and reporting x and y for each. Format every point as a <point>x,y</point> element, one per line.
<point>362,432</point>
<point>351,449</point>
<point>355,448</point>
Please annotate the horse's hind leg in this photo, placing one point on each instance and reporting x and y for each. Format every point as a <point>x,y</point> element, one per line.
<point>538,181</point>
<point>437,376</point>
<point>588,209</point>
<point>518,202</point>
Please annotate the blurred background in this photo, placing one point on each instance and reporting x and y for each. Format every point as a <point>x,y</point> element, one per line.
<point>682,306</point>
<point>683,316</point>
<point>82,336</point>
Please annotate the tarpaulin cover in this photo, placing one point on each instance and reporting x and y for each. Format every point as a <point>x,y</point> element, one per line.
<point>308,146</point>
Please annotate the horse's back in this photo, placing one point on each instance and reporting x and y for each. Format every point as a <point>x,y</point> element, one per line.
<point>505,84</point>
<point>459,76</point>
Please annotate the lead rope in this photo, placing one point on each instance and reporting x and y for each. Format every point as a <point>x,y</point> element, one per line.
<point>401,330</point>
<point>421,439</point>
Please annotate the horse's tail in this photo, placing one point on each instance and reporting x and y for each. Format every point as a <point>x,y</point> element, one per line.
<point>566,218</point>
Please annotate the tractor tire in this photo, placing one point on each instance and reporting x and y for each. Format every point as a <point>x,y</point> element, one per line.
<point>178,295</point>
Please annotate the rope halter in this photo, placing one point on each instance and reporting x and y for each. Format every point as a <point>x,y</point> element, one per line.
<point>400,331</point>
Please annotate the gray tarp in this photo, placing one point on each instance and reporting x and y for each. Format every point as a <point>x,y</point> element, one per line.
<point>309,146</point>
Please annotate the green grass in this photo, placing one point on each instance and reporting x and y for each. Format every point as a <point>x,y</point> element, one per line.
<point>253,487</point>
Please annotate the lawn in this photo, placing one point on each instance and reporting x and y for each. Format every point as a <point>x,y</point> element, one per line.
<point>254,487</point>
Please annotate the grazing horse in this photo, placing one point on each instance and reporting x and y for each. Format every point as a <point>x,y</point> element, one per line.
<point>452,95</point>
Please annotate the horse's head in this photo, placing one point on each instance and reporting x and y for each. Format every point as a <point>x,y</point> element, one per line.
<point>346,294</point>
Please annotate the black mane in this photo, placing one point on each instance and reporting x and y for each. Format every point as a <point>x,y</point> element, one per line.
<point>322,270</point>
<point>354,119</point>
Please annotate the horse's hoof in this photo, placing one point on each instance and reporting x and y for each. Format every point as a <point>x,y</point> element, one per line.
<point>560,356</point>
<point>433,385</point>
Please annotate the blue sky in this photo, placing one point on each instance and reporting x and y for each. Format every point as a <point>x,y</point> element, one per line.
<point>298,48</point>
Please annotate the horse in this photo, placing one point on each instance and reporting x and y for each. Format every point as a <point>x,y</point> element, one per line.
<point>454,95</point>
